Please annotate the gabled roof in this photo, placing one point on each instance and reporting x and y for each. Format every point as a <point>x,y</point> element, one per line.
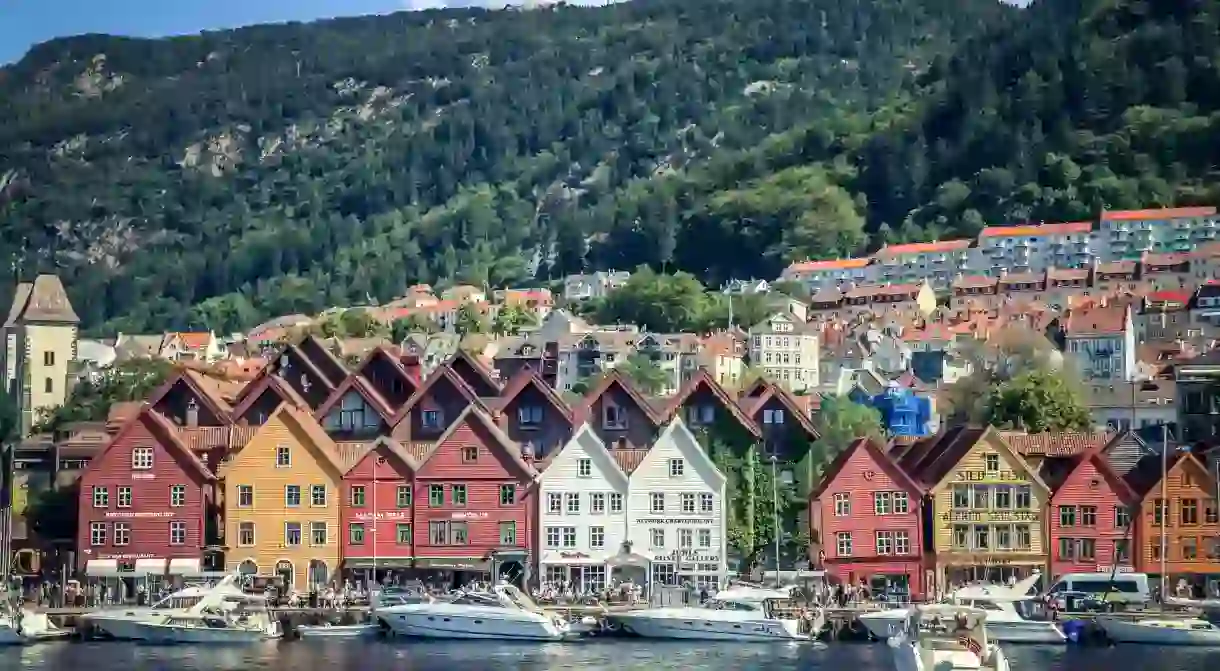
<point>442,372</point>
<point>584,407</point>
<point>392,356</point>
<point>204,391</point>
<point>273,368</point>
<point>254,391</point>
<point>395,449</point>
<point>785,397</point>
<point>463,358</point>
<point>588,439</point>
<point>702,377</point>
<point>1097,455</point>
<point>165,434</point>
<point>357,383</point>
<point>756,388</point>
<point>332,368</point>
<point>305,423</point>
<point>526,377</point>
<point>879,456</point>
<point>676,430</point>
<point>475,413</point>
<point>1151,470</point>
<point>940,469</point>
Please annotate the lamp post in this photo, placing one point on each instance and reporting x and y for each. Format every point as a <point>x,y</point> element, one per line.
<point>775,510</point>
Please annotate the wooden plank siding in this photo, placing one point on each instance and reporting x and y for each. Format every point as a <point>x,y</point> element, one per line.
<point>312,461</point>
<point>1084,523</point>
<point>379,513</point>
<point>1189,486</point>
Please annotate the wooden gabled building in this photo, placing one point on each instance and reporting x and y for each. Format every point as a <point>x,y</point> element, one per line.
<point>1178,529</point>
<point>432,409</point>
<point>618,413</point>
<point>532,413</point>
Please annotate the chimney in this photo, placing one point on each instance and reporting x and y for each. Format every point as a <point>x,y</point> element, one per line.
<point>192,414</point>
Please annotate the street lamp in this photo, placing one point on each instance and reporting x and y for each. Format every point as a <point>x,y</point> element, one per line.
<point>775,509</point>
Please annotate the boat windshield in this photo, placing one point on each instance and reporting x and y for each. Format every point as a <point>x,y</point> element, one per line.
<point>477,599</point>
<point>734,604</point>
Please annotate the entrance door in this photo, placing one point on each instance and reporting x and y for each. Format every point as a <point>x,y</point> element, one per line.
<point>285,571</point>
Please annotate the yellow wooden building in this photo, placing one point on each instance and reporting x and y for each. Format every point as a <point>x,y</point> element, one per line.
<point>281,501</point>
<point>987,507</point>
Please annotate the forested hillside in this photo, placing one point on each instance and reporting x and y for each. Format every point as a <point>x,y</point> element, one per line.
<point>219,179</point>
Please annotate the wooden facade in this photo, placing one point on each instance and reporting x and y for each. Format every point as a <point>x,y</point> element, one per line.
<point>1187,497</point>
<point>282,501</point>
<point>378,511</point>
<point>531,413</point>
<point>1089,519</point>
<point>621,417</point>
<point>433,408</point>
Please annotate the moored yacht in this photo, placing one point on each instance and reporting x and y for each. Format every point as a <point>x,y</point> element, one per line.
<point>739,613</point>
<point>502,613</point>
<point>1165,630</point>
<point>119,623</point>
<point>240,618</point>
<point>19,625</point>
<point>945,637</point>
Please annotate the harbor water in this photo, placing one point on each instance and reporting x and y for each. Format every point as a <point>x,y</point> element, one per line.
<point>616,655</point>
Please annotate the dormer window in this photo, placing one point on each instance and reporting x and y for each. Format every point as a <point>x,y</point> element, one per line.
<point>613,417</point>
<point>142,459</point>
<point>529,416</point>
<point>699,415</point>
<point>773,416</point>
<point>431,419</point>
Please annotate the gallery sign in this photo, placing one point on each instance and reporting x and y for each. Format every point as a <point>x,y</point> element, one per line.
<point>689,556</point>
<point>990,516</point>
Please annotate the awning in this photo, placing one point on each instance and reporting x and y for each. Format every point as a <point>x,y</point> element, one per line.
<point>102,568</point>
<point>150,566</point>
<point>380,562</point>
<point>453,563</point>
<point>185,566</point>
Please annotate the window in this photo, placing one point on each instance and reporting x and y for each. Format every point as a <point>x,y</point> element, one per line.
<point>676,468</point>
<point>402,534</point>
<point>1088,516</point>
<point>901,505</point>
<point>656,539</point>
<point>658,502</point>
<point>1067,548</point>
<point>881,503</point>
<point>980,497</point>
<point>554,503</point>
<point>902,542</point>
<point>961,537</point>
<point>438,533</point>
<point>292,495</point>
<point>686,538</point>
<point>436,495</point>
<point>1209,511</point>
<point>245,534</point>
<point>1158,512</point>
<point>688,503</point>
<point>613,417</point>
<point>1003,497</point>
<point>48,385</point>
<point>1122,517</point>
<point>1156,550</point>
<point>552,537</point>
<point>1190,511</point>
<point>404,496</point>
<point>616,502</point>
<point>431,419</point>
<point>961,496</point>
<point>1003,538</point>
<point>317,495</point>
<point>992,463</point>
<point>317,533</point>
<point>842,505</point>
<point>572,501</point>
<point>177,533</point>
<point>101,497</point>
<point>97,533</point>
<point>584,468</point>
<point>597,537</point>
<point>1088,549</point>
<point>355,533</point>
<point>529,416</point>
<point>457,494</point>
<point>843,543</point>
<point>1024,498</point>
<point>705,504</point>
<point>508,494</point>
<point>569,537</point>
<point>982,537</point>
<point>773,416</point>
<point>1023,537</point>
<point>470,454</point>
<point>292,534</point>
<point>283,457</point>
<point>705,538</point>
<point>459,533</point>
<point>597,503</point>
<point>1190,548</point>
<point>357,496</point>
<point>508,533</point>
<point>48,358</point>
<point>122,533</point>
<point>1122,550</point>
<point>1067,516</point>
<point>124,497</point>
<point>245,496</point>
<point>177,496</point>
<point>142,458</point>
<point>885,543</point>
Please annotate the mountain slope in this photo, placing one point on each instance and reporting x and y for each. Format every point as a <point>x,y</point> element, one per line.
<point>220,179</point>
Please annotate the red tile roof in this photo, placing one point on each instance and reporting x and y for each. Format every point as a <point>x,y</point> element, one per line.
<point>1035,230</point>
<point>922,248</point>
<point>1164,213</point>
<point>1066,444</point>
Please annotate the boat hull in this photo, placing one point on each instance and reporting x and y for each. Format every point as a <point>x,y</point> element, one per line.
<point>907,656</point>
<point>761,630</point>
<point>1123,631</point>
<point>473,627</point>
<point>10,636</point>
<point>886,623</point>
<point>163,634</point>
<point>342,631</point>
<point>125,627</point>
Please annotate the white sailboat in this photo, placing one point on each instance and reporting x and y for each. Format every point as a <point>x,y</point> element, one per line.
<point>119,623</point>
<point>741,613</point>
<point>1160,630</point>
<point>504,613</point>
<point>946,637</point>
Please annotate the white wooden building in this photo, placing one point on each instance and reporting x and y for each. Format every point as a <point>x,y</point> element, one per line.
<point>676,509</point>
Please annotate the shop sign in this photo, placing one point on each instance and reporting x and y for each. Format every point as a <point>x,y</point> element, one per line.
<point>143,476</point>
<point>990,516</point>
<point>989,476</point>
<point>130,514</point>
<point>688,557</point>
<point>1102,568</point>
<point>574,555</point>
<point>393,515</point>
<point>468,515</point>
<point>675,520</point>
<point>127,556</point>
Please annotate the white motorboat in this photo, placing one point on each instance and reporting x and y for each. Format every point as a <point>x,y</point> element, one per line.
<point>20,626</point>
<point>1005,622</point>
<point>739,613</point>
<point>945,637</point>
<point>503,613</point>
<point>377,601</point>
<point>1166,630</point>
<point>236,619</point>
<point>119,623</point>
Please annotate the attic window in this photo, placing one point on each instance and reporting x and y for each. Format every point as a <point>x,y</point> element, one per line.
<point>470,454</point>
<point>992,462</point>
<point>613,417</point>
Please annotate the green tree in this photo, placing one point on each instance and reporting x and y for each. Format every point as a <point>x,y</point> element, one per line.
<point>470,320</point>
<point>644,373</point>
<point>511,319</point>
<point>840,421</point>
<point>994,362</point>
<point>1038,401</point>
<point>404,326</point>
<point>90,399</point>
<point>655,302</point>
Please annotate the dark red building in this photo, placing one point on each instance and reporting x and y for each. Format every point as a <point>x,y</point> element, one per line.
<point>475,502</point>
<point>1090,517</point>
<point>531,413</point>
<point>434,407</point>
<point>378,512</point>
<point>142,503</point>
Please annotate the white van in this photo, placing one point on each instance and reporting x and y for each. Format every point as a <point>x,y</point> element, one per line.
<point>1117,587</point>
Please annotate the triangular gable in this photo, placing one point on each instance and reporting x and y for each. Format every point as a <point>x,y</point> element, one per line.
<point>201,392</point>
<point>303,423</point>
<point>880,457</point>
<point>757,388</point>
<point>677,433</point>
<point>391,449</point>
<point>383,353</point>
<point>1148,486</point>
<point>703,378</point>
<point>357,384</point>
<point>585,407</point>
<point>316,351</point>
<point>441,372</point>
<point>997,442</point>
<point>474,373</point>
<point>790,404</point>
<point>588,440</point>
<point>164,433</point>
<point>268,383</point>
<point>475,415</point>
<point>525,378</point>
<point>1097,456</point>
<point>291,353</point>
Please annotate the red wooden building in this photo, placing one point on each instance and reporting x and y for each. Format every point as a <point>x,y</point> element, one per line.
<point>1090,517</point>
<point>475,502</point>
<point>377,514</point>
<point>142,503</point>
<point>867,516</point>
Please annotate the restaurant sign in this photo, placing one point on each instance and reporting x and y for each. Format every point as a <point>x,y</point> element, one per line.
<point>130,514</point>
<point>468,515</point>
<point>990,516</point>
<point>392,515</point>
<point>989,476</point>
<point>674,520</point>
<point>127,556</point>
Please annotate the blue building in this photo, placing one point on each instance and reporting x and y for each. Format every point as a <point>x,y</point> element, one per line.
<point>903,412</point>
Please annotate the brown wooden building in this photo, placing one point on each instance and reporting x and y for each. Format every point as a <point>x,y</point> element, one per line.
<point>1178,497</point>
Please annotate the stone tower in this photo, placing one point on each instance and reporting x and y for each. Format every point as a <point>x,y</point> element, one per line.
<point>39,346</point>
